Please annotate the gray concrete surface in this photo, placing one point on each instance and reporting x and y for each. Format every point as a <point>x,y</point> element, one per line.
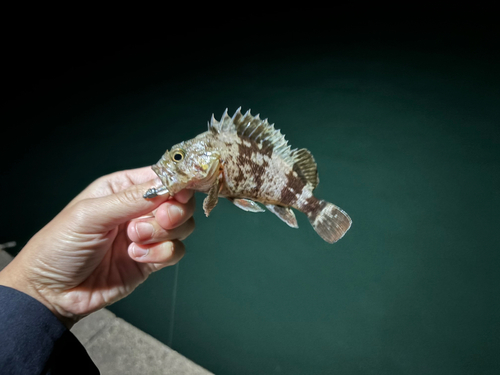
<point>117,347</point>
<point>5,258</point>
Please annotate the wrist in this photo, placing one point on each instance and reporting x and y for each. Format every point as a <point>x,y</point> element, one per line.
<point>14,277</point>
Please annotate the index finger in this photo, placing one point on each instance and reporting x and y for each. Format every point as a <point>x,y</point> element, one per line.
<point>115,182</point>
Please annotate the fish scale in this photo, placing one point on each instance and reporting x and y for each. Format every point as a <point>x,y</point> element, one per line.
<point>246,160</point>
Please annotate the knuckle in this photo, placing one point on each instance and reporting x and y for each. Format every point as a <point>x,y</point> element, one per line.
<point>166,254</point>
<point>168,250</point>
<point>173,247</point>
<point>161,252</point>
<point>127,196</point>
<point>81,211</point>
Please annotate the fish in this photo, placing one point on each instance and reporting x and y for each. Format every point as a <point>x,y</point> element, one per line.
<point>247,161</point>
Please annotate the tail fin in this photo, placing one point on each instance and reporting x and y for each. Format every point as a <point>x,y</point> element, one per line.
<point>329,221</point>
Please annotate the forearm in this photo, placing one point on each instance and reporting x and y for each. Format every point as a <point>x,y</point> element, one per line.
<point>34,341</point>
<point>14,276</point>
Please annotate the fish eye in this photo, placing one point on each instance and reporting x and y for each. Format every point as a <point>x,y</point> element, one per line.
<point>177,155</point>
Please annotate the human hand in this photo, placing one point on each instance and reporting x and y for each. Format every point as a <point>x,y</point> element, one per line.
<point>102,245</point>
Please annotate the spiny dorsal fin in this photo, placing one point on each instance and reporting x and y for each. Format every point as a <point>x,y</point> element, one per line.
<point>254,129</point>
<point>213,124</point>
<point>305,166</point>
<point>264,134</point>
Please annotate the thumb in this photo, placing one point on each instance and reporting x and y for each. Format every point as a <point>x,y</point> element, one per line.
<point>112,210</point>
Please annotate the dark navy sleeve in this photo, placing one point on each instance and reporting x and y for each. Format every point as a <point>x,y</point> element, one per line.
<point>34,341</point>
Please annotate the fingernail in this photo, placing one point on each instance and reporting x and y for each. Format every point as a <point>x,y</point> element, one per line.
<point>144,230</point>
<point>139,251</point>
<point>175,213</point>
<point>146,216</point>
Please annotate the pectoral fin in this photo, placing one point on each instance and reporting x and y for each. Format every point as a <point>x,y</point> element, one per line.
<point>212,198</point>
<point>284,213</point>
<point>247,205</point>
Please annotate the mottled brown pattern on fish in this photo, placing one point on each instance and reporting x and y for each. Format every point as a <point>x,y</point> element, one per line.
<point>267,149</point>
<point>312,206</point>
<point>291,192</point>
<point>255,177</point>
<point>248,152</point>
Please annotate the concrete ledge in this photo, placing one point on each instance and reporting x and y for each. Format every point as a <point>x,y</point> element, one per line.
<point>5,259</point>
<point>117,347</point>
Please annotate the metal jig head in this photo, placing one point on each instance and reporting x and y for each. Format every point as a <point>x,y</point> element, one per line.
<point>155,191</point>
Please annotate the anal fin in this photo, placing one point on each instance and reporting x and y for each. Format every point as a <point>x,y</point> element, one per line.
<point>247,205</point>
<point>284,213</point>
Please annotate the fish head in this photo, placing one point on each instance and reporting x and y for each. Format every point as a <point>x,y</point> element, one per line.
<point>188,165</point>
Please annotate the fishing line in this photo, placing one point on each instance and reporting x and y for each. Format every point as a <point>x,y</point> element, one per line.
<point>174,299</point>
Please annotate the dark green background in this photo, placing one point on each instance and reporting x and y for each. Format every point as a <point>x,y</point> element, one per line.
<point>403,124</point>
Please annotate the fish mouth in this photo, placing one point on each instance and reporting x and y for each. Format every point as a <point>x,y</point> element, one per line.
<point>163,174</point>
<point>167,177</point>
